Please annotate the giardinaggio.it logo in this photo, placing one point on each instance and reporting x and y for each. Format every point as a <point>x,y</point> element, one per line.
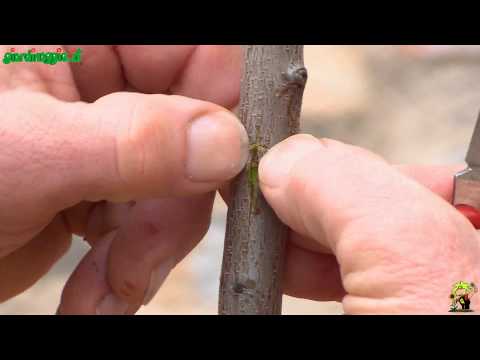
<point>49,58</point>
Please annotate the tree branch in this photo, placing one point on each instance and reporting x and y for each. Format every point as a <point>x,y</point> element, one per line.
<point>272,87</point>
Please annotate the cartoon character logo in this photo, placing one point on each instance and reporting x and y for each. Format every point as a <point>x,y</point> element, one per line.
<point>461,293</point>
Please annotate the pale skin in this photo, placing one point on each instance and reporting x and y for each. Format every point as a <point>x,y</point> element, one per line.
<point>86,151</point>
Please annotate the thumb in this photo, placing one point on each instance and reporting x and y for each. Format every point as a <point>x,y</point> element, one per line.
<point>124,146</point>
<point>390,235</point>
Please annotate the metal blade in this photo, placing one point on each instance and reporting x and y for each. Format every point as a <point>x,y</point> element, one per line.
<point>467,188</point>
<point>467,182</point>
<point>473,155</point>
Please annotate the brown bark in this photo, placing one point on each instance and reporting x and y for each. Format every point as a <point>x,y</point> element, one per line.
<point>270,102</point>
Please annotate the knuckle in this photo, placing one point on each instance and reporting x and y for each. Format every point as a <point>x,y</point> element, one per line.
<point>128,289</point>
<point>131,146</point>
<point>142,144</point>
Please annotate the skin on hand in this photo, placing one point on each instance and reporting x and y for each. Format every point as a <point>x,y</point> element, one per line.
<point>82,156</point>
<point>365,233</point>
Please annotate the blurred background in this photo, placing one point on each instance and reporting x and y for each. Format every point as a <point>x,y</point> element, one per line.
<point>410,104</point>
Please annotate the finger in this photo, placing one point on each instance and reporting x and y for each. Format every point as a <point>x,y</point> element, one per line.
<point>39,254</point>
<point>104,70</point>
<point>353,174</point>
<point>105,218</point>
<point>212,74</point>
<point>438,179</point>
<point>314,275</point>
<point>207,72</point>
<point>100,71</point>
<point>161,65</point>
<point>311,275</point>
<point>123,147</point>
<point>95,219</point>
<point>158,235</point>
<point>355,203</point>
<point>88,284</point>
<point>76,217</point>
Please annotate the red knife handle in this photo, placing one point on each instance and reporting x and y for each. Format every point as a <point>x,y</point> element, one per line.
<point>471,213</point>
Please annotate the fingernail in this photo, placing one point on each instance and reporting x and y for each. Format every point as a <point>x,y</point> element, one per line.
<point>111,305</point>
<point>157,278</point>
<point>217,148</point>
<point>275,166</point>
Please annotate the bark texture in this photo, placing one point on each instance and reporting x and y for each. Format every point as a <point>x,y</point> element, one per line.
<point>272,87</point>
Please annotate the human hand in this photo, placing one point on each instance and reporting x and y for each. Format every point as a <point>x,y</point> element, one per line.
<point>379,238</point>
<point>126,170</point>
